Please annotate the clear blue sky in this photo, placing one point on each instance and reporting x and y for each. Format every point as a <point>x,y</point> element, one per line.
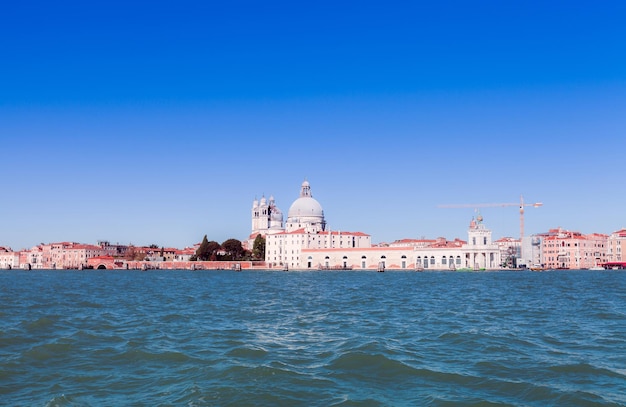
<point>160,122</point>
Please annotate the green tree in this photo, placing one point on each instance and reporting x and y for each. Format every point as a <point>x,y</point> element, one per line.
<point>258,248</point>
<point>214,247</point>
<point>233,248</point>
<point>203,252</point>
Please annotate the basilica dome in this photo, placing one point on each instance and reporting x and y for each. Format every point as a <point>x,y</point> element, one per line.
<point>305,206</point>
<point>305,209</point>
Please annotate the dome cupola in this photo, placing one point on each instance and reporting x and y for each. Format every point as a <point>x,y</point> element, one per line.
<point>305,211</point>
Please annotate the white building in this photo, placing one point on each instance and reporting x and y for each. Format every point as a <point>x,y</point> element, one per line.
<point>306,229</point>
<point>307,243</point>
<point>266,217</point>
<point>8,258</point>
<point>479,253</point>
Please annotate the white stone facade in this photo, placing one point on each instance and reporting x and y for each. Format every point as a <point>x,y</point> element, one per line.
<point>305,243</point>
<point>479,253</point>
<point>305,229</point>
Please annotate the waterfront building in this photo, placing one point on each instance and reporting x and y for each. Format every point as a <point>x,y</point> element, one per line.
<point>616,246</point>
<point>113,250</point>
<point>68,255</point>
<point>184,254</point>
<point>305,229</point>
<point>414,243</point>
<point>531,253</point>
<point>63,255</point>
<point>8,258</point>
<point>510,252</point>
<point>534,250</point>
<point>267,218</point>
<point>308,243</point>
<point>32,259</point>
<point>478,253</point>
<point>563,249</point>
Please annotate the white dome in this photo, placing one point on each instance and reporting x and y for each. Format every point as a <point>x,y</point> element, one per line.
<point>305,207</point>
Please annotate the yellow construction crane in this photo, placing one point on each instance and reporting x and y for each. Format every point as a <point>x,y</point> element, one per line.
<point>521,205</point>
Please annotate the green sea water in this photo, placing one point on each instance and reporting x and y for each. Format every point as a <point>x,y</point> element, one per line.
<point>321,338</point>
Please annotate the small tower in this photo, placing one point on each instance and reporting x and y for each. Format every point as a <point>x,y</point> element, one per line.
<point>478,234</point>
<point>255,215</point>
<point>275,216</point>
<point>266,217</point>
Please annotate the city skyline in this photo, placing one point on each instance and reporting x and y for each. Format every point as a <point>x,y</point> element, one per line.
<point>146,124</point>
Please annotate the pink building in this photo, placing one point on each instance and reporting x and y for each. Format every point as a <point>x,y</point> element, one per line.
<point>617,247</point>
<point>8,258</point>
<point>573,250</point>
<point>32,258</point>
<point>63,255</point>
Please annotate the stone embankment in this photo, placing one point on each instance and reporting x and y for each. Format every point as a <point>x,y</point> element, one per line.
<point>112,263</point>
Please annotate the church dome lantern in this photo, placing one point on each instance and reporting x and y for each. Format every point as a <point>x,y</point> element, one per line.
<point>305,210</point>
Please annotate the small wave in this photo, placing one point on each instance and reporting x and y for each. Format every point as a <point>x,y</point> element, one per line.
<point>256,372</point>
<point>248,353</point>
<point>88,304</point>
<point>63,401</point>
<point>366,364</point>
<point>140,356</point>
<point>49,351</point>
<point>40,323</point>
<point>585,369</point>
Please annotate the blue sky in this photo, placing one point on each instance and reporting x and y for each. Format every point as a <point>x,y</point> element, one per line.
<point>160,122</point>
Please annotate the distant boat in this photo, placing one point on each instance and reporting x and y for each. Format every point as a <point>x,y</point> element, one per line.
<point>597,268</point>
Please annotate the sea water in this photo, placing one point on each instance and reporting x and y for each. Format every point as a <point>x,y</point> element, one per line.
<point>322,338</point>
